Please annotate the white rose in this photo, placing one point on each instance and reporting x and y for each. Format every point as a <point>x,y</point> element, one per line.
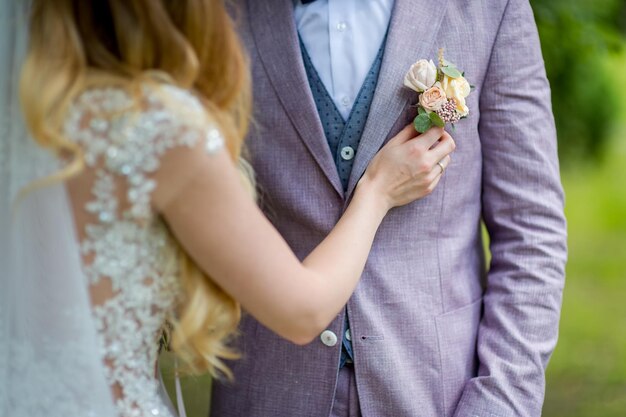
<point>421,76</point>
<point>458,89</point>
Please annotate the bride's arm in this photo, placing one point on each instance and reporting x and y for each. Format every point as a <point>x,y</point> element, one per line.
<point>223,230</point>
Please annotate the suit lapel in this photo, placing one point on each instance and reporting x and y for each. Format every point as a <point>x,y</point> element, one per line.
<point>413,32</point>
<point>276,38</point>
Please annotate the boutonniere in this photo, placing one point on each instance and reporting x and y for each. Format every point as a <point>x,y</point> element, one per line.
<point>442,91</point>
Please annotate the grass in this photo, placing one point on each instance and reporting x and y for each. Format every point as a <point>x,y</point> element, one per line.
<point>587,374</point>
<point>196,389</point>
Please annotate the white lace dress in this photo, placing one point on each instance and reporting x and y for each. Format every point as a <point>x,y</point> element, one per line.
<point>128,256</point>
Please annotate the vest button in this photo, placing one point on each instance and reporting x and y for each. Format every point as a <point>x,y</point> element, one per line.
<point>347,153</point>
<point>328,338</point>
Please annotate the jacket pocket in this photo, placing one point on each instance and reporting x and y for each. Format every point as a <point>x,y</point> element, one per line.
<point>457,332</point>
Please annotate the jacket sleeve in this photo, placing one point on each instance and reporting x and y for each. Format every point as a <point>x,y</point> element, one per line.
<point>522,202</point>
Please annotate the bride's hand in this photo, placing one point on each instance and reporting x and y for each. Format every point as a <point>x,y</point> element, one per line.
<point>407,167</point>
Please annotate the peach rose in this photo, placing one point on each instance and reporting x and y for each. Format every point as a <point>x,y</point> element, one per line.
<point>433,98</point>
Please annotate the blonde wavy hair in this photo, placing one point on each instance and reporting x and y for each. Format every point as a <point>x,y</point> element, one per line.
<point>76,43</point>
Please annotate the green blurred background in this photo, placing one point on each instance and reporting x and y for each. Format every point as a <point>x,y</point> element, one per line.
<point>584,45</point>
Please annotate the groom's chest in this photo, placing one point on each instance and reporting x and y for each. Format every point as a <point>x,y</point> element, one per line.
<point>288,122</point>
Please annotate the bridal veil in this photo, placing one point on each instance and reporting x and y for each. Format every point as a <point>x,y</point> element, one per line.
<point>49,358</point>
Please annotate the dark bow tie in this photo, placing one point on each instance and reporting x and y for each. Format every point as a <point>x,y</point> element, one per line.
<point>307,1</point>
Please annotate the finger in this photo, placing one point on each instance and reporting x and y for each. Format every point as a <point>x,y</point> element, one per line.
<point>445,147</point>
<point>445,134</point>
<point>440,167</point>
<point>446,161</point>
<point>430,137</point>
<point>404,135</point>
<point>434,183</point>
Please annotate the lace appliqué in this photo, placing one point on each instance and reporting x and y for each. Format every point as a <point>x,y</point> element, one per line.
<point>128,244</point>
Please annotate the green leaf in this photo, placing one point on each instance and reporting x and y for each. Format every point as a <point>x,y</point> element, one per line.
<point>451,72</point>
<point>421,110</point>
<point>434,117</point>
<point>422,123</point>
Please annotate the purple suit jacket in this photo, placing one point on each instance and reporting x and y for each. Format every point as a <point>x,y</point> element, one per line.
<point>434,334</point>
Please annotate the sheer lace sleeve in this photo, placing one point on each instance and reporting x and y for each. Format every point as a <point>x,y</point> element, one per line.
<point>127,253</point>
<point>126,137</point>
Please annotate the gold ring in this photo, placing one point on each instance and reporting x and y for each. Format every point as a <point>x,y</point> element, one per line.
<point>443,169</point>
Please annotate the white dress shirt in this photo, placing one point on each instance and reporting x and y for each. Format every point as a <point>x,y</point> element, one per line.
<point>342,37</point>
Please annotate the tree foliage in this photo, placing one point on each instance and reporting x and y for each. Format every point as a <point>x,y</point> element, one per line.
<point>578,37</point>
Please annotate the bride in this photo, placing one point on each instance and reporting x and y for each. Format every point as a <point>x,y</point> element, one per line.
<point>130,208</point>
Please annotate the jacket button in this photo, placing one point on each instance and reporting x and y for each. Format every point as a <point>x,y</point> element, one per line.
<point>328,338</point>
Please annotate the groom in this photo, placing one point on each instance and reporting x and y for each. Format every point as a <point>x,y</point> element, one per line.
<point>428,332</point>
